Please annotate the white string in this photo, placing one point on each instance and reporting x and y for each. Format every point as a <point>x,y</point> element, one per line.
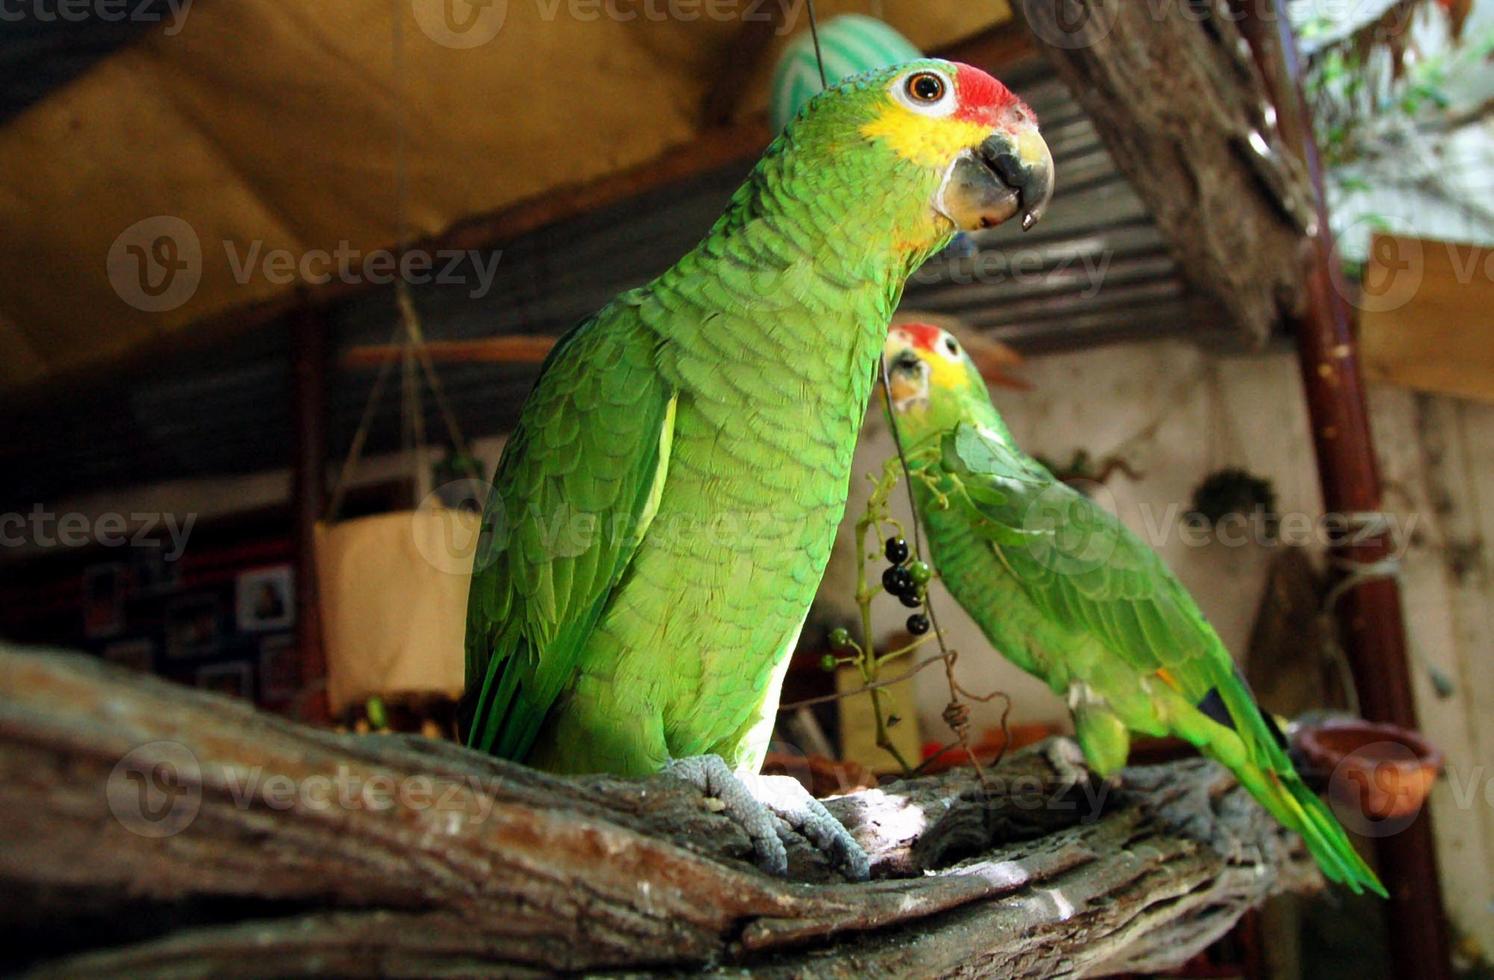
<point>1364,525</point>
<point>819,54</point>
<point>415,360</point>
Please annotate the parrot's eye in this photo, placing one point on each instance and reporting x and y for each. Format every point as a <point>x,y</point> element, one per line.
<point>927,92</point>
<point>926,87</point>
<point>951,346</point>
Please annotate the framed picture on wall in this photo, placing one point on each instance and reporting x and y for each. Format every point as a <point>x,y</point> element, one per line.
<point>234,679</point>
<point>150,572</point>
<point>103,600</point>
<point>135,654</point>
<point>192,627</point>
<point>266,599</point>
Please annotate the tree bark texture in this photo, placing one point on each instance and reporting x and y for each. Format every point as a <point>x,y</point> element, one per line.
<point>154,830</point>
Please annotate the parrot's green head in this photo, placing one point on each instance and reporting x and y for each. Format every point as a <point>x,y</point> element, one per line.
<point>933,382</point>
<point>914,153</point>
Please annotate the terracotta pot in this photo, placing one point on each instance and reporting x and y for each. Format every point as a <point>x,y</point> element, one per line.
<point>1383,771</point>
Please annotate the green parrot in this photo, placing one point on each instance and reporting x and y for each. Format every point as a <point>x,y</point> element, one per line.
<point>1066,592</point>
<point>666,505</point>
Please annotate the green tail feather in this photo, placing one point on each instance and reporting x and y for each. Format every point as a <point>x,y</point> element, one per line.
<point>1299,809</point>
<point>1271,779</point>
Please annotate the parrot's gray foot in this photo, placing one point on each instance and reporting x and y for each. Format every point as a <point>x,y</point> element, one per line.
<point>766,807</point>
<point>711,775</point>
<point>788,798</point>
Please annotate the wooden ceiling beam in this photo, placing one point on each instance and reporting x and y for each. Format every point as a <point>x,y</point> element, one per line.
<point>506,349</point>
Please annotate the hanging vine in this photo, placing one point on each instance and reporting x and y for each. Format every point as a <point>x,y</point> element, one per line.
<point>881,536</point>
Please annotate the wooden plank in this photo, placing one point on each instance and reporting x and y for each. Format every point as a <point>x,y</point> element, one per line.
<point>1426,316</point>
<point>511,349</point>
<point>1438,452</point>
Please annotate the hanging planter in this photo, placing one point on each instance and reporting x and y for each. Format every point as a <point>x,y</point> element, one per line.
<point>393,587</point>
<point>393,591</point>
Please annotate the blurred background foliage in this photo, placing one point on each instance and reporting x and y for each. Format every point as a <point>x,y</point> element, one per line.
<point>1402,92</point>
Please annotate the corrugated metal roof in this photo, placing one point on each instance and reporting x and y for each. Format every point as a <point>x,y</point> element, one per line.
<point>1095,270</point>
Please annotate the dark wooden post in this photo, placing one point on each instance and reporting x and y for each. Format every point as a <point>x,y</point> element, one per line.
<point>309,496</point>
<point>1370,613</point>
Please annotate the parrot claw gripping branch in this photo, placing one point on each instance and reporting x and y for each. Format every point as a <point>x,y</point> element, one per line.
<point>707,422</point>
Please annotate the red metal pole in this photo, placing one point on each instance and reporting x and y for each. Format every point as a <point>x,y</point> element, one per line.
<point>1370,613</point>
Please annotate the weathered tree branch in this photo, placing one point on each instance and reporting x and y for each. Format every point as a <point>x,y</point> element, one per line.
<point>1174,93</point>
<point>151,829</point>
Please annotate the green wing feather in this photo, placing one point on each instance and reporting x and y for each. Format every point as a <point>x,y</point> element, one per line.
<point>576,489</point>
<point>1083,568</point>
<point>1081,565</point>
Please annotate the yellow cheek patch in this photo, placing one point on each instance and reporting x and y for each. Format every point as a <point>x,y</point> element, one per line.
<point>944,373</point>
<point>925,141</point>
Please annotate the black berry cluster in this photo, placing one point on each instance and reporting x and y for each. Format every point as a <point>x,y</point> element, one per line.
<point>907,581</point>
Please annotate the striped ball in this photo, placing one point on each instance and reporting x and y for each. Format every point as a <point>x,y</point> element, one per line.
<point>852,44</point>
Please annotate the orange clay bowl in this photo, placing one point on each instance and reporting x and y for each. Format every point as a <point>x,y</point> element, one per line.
<point>1384,771</point>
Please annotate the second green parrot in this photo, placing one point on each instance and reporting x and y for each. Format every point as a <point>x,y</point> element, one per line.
<point>1070,595</point>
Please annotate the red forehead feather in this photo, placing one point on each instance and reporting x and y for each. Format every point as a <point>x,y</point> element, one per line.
<point>923,335</point>
<point>982,98</point>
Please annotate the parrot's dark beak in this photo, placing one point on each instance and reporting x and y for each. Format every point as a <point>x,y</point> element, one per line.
<point>907,379</point>
<point>1008,174</point>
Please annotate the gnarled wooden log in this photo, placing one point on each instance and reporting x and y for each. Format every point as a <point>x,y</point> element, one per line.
<point>151,830</point>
